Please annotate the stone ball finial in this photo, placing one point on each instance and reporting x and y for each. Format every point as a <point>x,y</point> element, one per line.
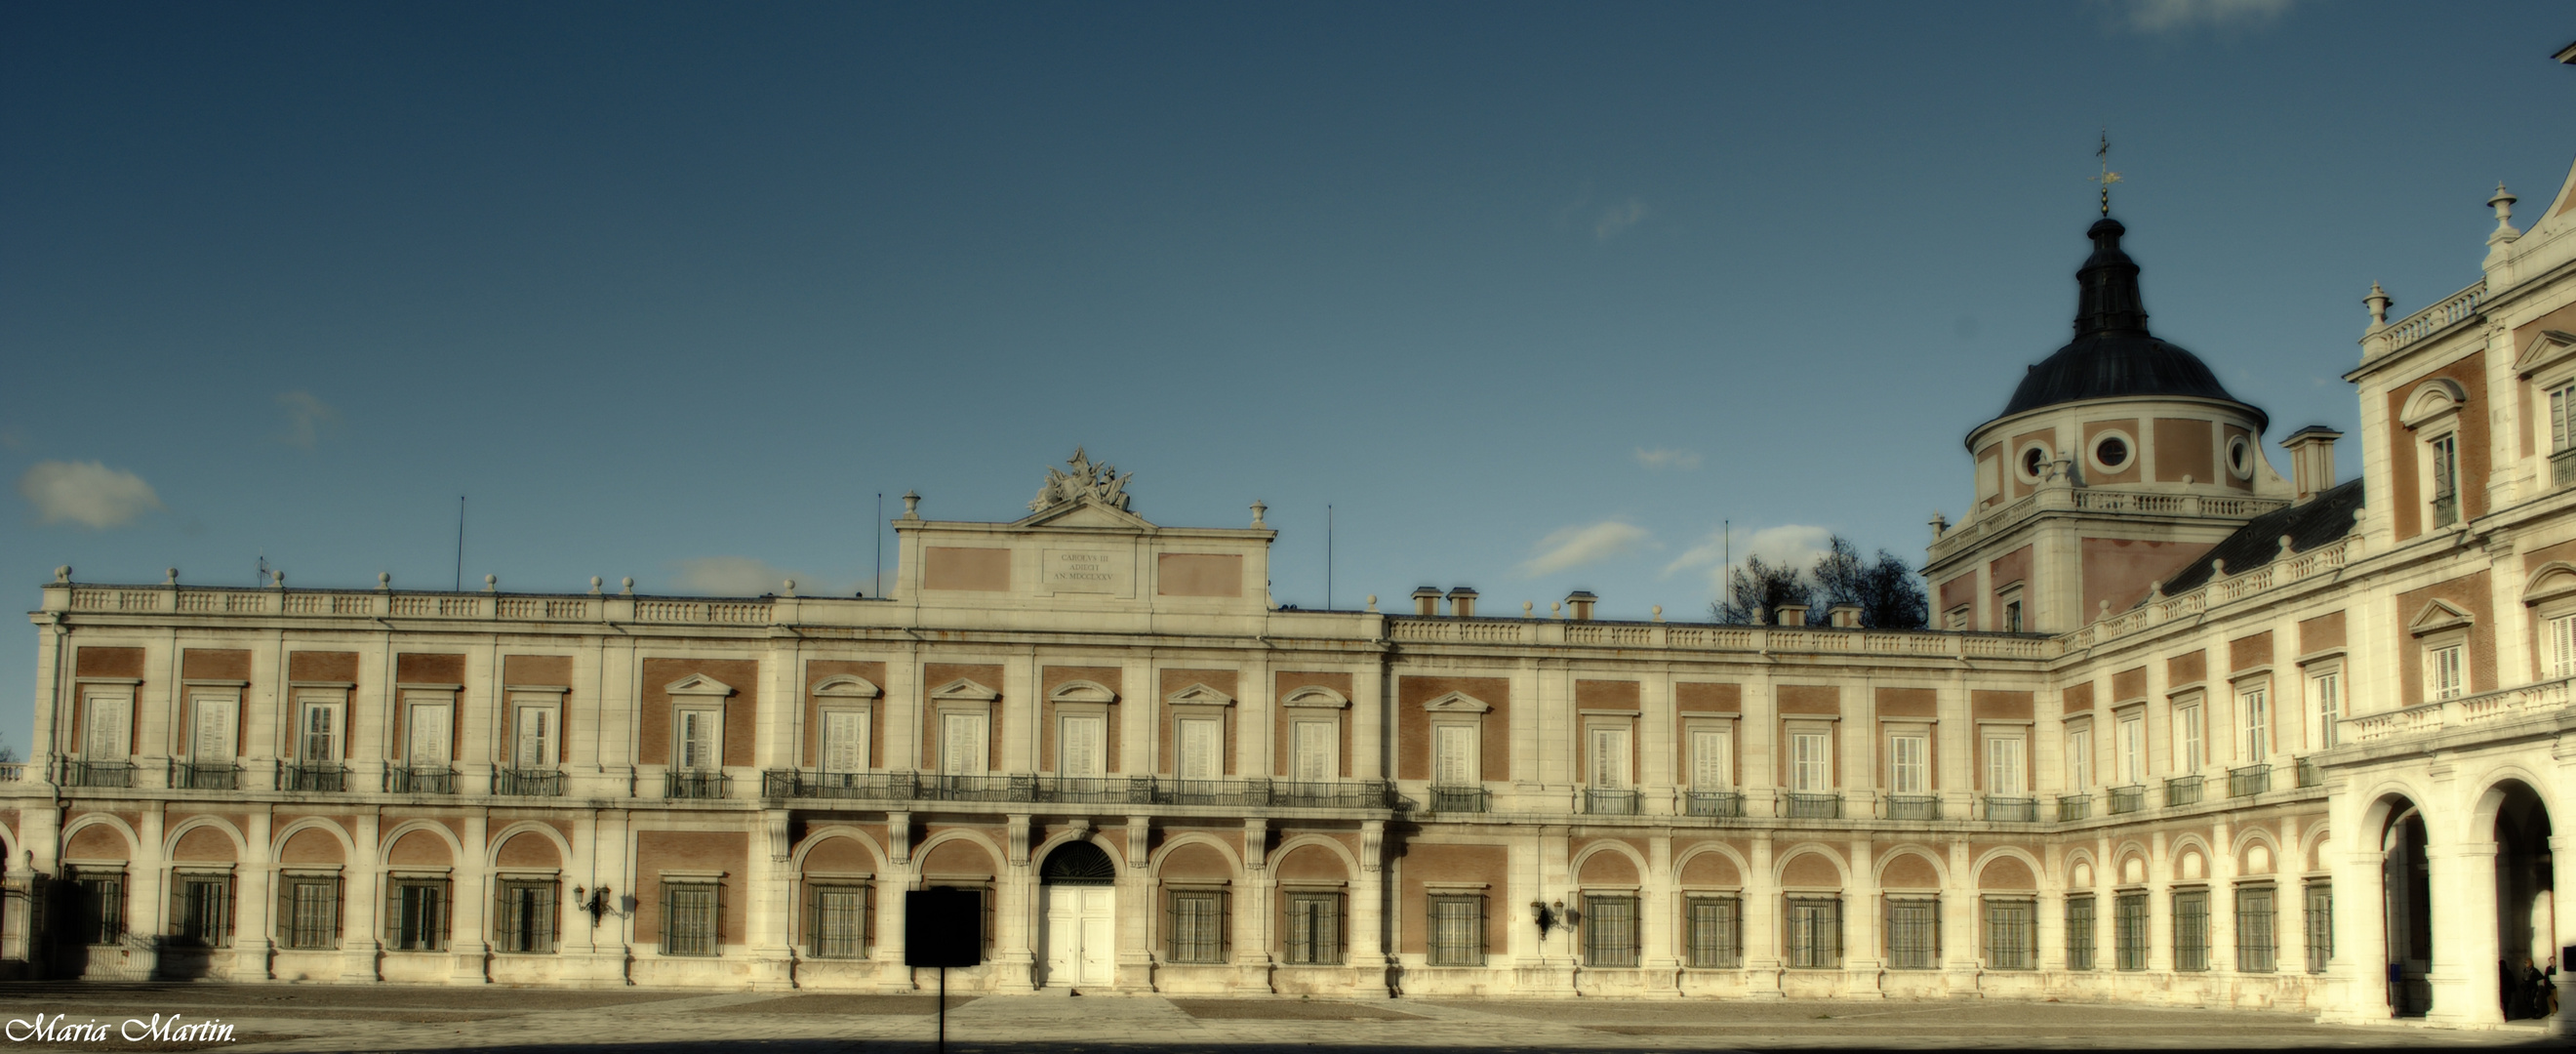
<point>1659,612</point>
<point>63,575</point>
<point>594,585</point>
<point>1528,609</point>
<point>788,588</point>
<point>384,580</point>
<point>277,578</point>
<point>629,586</point>
<point>1556,609</point>
<point>173,578</point>
<point>1372,602</point>
<point>491,582</point>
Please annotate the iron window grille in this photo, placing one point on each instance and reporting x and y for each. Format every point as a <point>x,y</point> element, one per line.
<point>1913,806</point>
<point>1195,926</point>
<point>2256,946</point>
<point>201,910</point>
<point>2127,799</point>
<point>2249,781</point>
<point>690,922</point>
<point>1721,804</point>
<point>419,779</point>
<point>2012,934</point>
<point>1457,930</point>
<point>1799,805</point>
<point>525,915</point>
<point>416,915</point>
<point>2182,790</point>
<point>2319,925</point>
<point>1314,931</point>
<point>839,917</point>
<point>1716,932</point>
<point>1913,933</point>
<point>2191,929</point>
<point>1610,930</point>
<point>2079,933</point>
<point>308,911</point>
<point>1814,938</point>
<point>102,907</point>
<point>2012,810</point>
<point>2129,930</point>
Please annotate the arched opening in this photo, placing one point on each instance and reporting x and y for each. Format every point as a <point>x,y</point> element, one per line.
<point>2407,878</point>
<point>2526,920</point>
<point>1079,920</point>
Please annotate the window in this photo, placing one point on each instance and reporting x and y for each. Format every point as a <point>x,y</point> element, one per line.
<point>1814,937</point>
<point>1314,929</point>
<point>2255,941</point>
<point>2189,752</point>
<point>1458,930</point>
<point>1712,759</point>
<point>2034,461</point>
<point>102,907</point>
<point>961,744</point>
<point>2079,933</point>
<point>210,732</point>
<point>1811,766</point>
<point>416,915</point>
<point>525,912</point>
<point>1200,741</point>
<point>2446,467</point>
<point>2319,924</point>
<point>2111,452</point>
<point>1610,758</point>
<point>1197,930</point>
<point>1909,765</point>
<point>690,924</point>
<point>1956,619</point>
<point>2129,930</point>
<point>308,911</point>
<point>1454,762</point>
<point>1716,932</point>
<point>699,744</point>
<point>2240,457</point>
<point>2012,616</point>
<point>845,741</point>
<point>2325,708</point>
<point>2191,929</point>
<point>1316,750</point>
<point>2012,934</point>
<point>1610,929</point>
<point>427,726</point>
<point>106,731</point>
<point>2079,758</point>
<point>2133,749</point>
<point>201,910</point>
<point>2004,768</point>
<point>2561,646</point>
<point>318,738</point>
<point>534,746</point>
<point>2562,402</point>
<point>1913,933</point>
<point>838,917</point>
<point>1081,745</point>
<point>2254,720</point>
<point>2444,672</point>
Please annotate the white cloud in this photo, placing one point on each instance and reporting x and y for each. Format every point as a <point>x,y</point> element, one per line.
<point>1618,218</point>
<point>87,493</point>
<point>1794,544</point>
<point>1577,546</point>
<point>742,576</point>
<point>306,417</point>
<point>1667,457</point>
<point>2164,17</point>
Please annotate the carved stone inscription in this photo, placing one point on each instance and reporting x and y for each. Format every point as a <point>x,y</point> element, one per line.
<point>1089,571</point>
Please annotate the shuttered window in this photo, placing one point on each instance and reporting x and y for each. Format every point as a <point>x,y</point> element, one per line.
<point>1314,929</point>
<point>2562,403</point>
<point>524,915</point>
<point>308,911</point>
<point>1454,756</point>
<point>2562,646</point>
<point>106,736</point>
<point>535,747</point>
<point>1196,926</point>
<point>2447,673</point>
<point>211,740</point>
<point>1318,748</point>
<point>1908,767</point>
<point>2004,768</point>
<point>1458,930</point>
<point>1610,930</point>
<point>845,740</point>
<point>320,744</point>
<point>2325,703</point>
<point>1200,740</point>
<point>427,727</point>
<point>1716,933</point>
<point>2254,721</point>
<point>689,919</point>
<point>1079,746</point>
<point>102,908</point>
<point>1712,759</point>
<point>1610,756</point>
<point>1811,767</point>
<point>416,915</point>
<point>838,917</point>
<point>961,745</point>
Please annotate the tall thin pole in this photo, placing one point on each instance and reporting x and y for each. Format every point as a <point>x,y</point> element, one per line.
<point>1726,544</point>
<point>460,543</point>
<point>878,583</point>
<point>1328,556</point>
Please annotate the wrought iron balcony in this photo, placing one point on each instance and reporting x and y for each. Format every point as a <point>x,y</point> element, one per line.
<point>2249,781</point>
<point>2011,810</point>
<point>1333,794</point>
<point>1802,805</point>
<point>2562,467</point>
<point>2127,799</point>
<point>204,775</point>
<point>2072,807</point>
<point>1093,790</point>
<point>691,784</point>
<point>416,779</point>
<point>528,783</point>
<point>2182,790</point>
<point>312,776</point>
<point>71,772</point>
<point>2446,509</point>
<point>1914,806</point>
<point>2309,775</point>
<point>796,783</point>
<point>1459,799</point>
<point>1605,801</point>
<point>1723,804</point>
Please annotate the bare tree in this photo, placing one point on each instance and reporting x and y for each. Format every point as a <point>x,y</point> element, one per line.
<point>1755,589</point>
<point>1885,589</point>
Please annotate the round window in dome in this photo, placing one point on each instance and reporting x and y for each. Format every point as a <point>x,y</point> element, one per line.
<point>2240,457</point>
<point>2111,452</point>
<point>2034,460</point>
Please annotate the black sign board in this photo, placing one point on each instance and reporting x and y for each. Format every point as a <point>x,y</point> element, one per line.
<point>943,927</point>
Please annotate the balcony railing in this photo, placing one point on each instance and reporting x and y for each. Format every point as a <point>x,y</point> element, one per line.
<point>2309,776</point>
<point>2562,467</point>
<point>2011,810</point>
<point>72,772</point>
<point>2249,781</point>
<point>1604,801</point>
<point>2446,509</point>
<point>1094,790</point>
<point>696,785</point>
<point>2127,799</point>
<point>527,783</point>
<point>312,776</point>
<point>414,779</point>
<point>2182,790</point>
<point>1914,806</point>
<point>2073,807</point>
<point>204,775</point>
<point>1802,805</point>
<point>1459,799</point>
<point>1333,794</point>
<point>1722,804</point>
<point>12,771</point>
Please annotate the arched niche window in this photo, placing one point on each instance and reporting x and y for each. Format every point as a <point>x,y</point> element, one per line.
<point>2432,412</point>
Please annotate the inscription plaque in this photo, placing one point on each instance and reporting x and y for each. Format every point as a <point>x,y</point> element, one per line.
<point>1106,571</point>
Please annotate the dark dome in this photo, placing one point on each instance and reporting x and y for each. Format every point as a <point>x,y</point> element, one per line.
<point>2113,355</point>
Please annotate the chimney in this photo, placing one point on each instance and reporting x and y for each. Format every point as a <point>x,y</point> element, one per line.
<point>2312,467</point>
<point>1426,601</point>
<point>1462,602</point>
<point>1844,616</point>
<point>1581,601</point>
<point>1792,615</point>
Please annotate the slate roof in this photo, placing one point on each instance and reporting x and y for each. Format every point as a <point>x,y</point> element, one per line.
<point>2113,355</point>
<point>2321,520</point>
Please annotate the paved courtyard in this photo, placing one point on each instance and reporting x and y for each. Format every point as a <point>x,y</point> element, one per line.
<point>511,1021</point>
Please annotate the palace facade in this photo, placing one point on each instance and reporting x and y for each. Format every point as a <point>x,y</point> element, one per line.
<point>2187,731</point>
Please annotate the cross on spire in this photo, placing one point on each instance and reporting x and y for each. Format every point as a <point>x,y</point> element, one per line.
<point>2107,177</point>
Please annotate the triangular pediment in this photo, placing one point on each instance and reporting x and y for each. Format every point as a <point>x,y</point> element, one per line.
<point>848,686</point>
<point>965,689</point>
<point>698,684</point>
<point>2549,348</point>
<point>1457,703</point>
<point>2437,615</point>
<point>1315,695</point>
<point>1199,695</point>
<point>1083,692</point>
<point>1085,512</point>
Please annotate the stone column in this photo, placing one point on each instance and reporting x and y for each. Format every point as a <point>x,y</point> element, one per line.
<point>2465,942</point>
<point>1961,953</point>
<point>768,880</point>
<point>1760,920</point>
<point>149,902</point>
<point>2222,909</point>
<point>1253,911</point>
<point>2561,847</point>
<point>1140,903</point>
<point>254,897</point>
<point>2051,916</point>
<point>1659,917</point>
<point>1862,966</point>
<point>362,899</point>
<point>467,932</point>
<point>1014,955</point>
<point>902,875</point>
<point>1368,908</point>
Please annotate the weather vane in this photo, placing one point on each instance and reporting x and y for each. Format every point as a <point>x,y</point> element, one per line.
<point>2107,177</point>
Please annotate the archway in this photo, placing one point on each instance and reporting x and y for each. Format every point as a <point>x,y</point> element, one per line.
<point>1079,920</point>
<point>2526,923</point>
<point>2407,879</point>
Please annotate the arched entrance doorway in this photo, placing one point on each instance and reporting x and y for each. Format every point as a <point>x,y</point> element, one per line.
<point>1079,916</point>
<point>2526,921</point>
<point>2407,878</point>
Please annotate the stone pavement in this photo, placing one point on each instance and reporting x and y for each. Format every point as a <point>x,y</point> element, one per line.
<point>494,1020</point>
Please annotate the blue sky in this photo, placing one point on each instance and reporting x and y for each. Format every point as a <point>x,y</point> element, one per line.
<point>1536,296</point>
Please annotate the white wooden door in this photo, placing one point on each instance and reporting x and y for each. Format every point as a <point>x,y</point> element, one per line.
<point>1081,934</point>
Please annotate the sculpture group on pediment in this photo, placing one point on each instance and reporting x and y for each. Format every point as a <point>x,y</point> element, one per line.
<point>1099,482</point>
